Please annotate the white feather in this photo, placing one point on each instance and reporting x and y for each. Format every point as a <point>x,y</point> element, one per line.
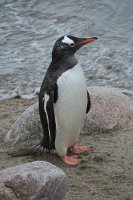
<point>70,108</point>
<point>67,40</point>
<point>46,98</point>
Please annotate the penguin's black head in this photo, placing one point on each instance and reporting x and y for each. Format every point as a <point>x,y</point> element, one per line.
<point>68,45</point>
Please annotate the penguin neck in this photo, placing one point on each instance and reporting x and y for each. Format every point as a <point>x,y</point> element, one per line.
<point>67,61</point>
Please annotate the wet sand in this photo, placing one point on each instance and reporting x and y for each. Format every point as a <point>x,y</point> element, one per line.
<point>106,173</point>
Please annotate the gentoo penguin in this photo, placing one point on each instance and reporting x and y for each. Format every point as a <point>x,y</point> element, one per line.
<point>64,100</point>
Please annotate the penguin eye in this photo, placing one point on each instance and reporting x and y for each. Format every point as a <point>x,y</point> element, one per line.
<point>72,44</point>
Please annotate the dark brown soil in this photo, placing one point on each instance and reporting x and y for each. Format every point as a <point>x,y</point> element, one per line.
<point>106,173</point>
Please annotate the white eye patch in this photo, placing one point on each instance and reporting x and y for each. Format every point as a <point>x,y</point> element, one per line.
<point>67,40</point>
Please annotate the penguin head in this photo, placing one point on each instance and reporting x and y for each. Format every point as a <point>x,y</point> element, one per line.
<point>67,45</point>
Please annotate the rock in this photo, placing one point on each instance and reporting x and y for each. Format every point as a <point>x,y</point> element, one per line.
<point>26,127</point>
<point>109,110</point>
<point>37,180</point>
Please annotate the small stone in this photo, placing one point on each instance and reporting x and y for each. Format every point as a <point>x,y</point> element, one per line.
<point>98,159</point>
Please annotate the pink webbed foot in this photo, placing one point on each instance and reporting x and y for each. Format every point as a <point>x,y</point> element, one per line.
<point>71,160</point>
<point>80,149</point>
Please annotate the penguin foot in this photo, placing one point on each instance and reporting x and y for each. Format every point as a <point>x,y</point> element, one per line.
<point>80,149</point>
<point>71,160</point>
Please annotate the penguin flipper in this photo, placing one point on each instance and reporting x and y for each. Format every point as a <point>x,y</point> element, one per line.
<point>45,142</point>
<point>51,122</point>
<point>88,103</point>
<point>47,118</point>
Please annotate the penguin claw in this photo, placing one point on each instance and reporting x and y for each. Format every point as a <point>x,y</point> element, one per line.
<point>80,149</point>
<point>71,160</point>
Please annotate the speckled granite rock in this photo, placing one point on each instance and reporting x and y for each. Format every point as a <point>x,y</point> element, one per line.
<point>37,180</point>
<point>109,110</point>
<point>26,127</point>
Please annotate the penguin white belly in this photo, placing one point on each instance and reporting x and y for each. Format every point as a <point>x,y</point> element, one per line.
<point>70,108</point>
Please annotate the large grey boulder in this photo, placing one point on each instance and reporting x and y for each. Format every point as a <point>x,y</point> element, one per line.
<point>37,180</point>
<point>26,127</point>
<point>109,110</point>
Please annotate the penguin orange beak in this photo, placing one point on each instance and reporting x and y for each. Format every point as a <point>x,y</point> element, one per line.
<point>87,40</point>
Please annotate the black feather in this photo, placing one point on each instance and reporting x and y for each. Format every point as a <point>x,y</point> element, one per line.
<point>88,102</point>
